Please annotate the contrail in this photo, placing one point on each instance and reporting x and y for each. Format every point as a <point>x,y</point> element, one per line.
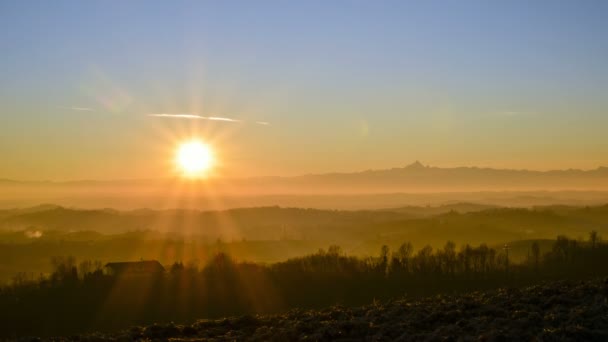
<point>215,118</point>
<point>194,117</point>
<point>200,117</point>
<point>182,116</point>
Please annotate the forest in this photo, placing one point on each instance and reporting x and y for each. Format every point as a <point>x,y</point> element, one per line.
<point>30,237</point>
<point>81,296</point>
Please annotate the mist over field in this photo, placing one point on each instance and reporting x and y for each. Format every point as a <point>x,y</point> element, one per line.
<point>32,236</point>
<point>254,261</point>
<point>264,246</point>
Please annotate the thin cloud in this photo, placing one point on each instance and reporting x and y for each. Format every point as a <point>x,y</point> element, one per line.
<point>215,118</point>
<point>200,117</point>
<point>193,117</point>
<point>182,116</point>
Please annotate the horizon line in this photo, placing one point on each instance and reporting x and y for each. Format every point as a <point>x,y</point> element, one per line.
<point>415,164</point>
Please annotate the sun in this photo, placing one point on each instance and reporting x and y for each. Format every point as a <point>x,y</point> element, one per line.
<point>194,158</point>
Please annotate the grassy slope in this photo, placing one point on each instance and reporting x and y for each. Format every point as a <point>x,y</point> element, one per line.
<point>574,311</point>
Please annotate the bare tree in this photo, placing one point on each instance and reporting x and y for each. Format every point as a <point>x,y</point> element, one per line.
<point>449,257</point>
<point>535,254</point>
<point>594,239</point>
<point>383,262</point>
<point>401,258</point>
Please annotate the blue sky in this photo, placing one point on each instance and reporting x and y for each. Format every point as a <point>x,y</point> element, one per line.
<point>346,85</point>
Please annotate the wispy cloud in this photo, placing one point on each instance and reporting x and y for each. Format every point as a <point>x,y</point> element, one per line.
<point>183,116</point>
<point>200,117</point>
<point>215,118</point>
<point>193,117</point>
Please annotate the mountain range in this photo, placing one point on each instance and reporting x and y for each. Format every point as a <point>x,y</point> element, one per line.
<point>415,176</point>
<point>414,179</point>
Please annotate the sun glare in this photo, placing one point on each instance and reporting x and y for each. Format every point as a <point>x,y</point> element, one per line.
<point>194,158</point>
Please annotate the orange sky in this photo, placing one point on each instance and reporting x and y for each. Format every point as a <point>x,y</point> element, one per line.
<point>371,86</point>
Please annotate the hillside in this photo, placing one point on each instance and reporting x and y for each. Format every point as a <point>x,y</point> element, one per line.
<point>275,223</point>
<point>358,231</point>
<point>572,311</point>
<point>29,238</point>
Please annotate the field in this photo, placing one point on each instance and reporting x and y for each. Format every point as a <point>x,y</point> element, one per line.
<point>569,311</point>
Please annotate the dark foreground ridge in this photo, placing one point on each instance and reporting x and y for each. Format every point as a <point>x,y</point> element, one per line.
<point>570,311</point>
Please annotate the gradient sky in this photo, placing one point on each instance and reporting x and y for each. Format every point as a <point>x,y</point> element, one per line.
<point>345,85</point>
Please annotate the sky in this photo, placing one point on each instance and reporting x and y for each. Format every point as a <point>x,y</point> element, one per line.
<point>339,85</point>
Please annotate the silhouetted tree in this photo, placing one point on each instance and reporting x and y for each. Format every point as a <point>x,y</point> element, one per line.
<point>400,263</point>
<point>448,258</point>
<point>383,262</point>
<point>594,238</point>
<point>226,287</point>
<point>177,267</point>
<point>535,254</point>
<point>423,261</point>
<point>334,250</point>
<point>64,269</point>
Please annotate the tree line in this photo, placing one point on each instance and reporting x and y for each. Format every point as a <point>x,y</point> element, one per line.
<point>78,297</point>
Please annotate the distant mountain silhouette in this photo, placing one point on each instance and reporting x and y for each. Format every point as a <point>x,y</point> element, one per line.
<point>218,193</point>
<point>415,175</point>
<point>418,177</point>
